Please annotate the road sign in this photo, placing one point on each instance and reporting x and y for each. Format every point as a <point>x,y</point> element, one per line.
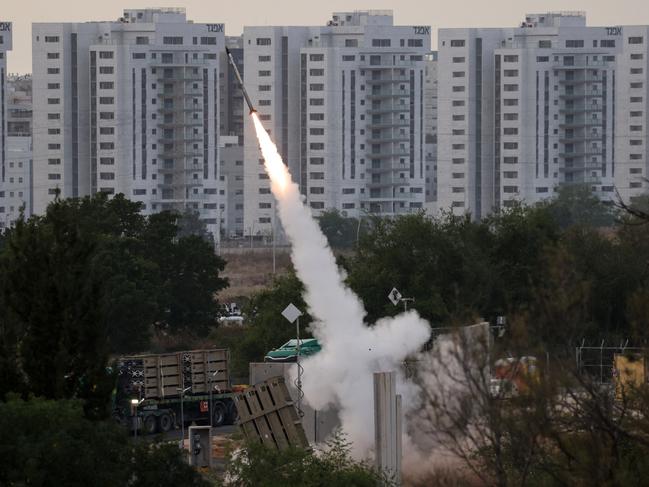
<point>394,296</point>
<point>291,313</point>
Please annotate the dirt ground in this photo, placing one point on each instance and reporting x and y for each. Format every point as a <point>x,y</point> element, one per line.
<point>250,270</point>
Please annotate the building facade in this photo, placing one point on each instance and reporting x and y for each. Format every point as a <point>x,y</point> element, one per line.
<point>344,103</point>
<point>16,192</point>
<point>552,102</point>
<point>132,107</point>
<point>5,47</point>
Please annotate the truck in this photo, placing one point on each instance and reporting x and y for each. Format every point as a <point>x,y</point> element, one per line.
<point>156,392</point>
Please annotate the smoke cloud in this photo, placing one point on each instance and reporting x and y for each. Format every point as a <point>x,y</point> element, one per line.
<point>341,374</point>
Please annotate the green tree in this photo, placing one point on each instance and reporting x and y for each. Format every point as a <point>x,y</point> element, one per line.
<point>50,443</point>
<point>577,205</point>
<point>267,328</point>
<point>295,467</point>
<point>341,232</point>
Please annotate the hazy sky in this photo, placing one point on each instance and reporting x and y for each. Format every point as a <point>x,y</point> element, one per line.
<point>236,14</point>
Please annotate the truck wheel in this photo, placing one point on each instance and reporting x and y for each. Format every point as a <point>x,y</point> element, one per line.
<point>233,414</point>
<point>164,422</point>
<point>150,425</point>
<point>219,414</point>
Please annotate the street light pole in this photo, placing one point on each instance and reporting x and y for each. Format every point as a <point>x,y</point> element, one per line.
<point>135,403</point>
<point>299,369</point>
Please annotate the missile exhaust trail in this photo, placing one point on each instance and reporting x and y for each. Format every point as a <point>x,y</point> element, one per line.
<point>240,80</point>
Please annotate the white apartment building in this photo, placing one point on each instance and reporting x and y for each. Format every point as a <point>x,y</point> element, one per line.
<point>16,192</point>
<point>344,103</point>
<point>524,110</point>
<point>5,46</point>
<point>129,107</point>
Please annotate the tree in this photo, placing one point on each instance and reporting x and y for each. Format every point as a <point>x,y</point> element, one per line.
<point>267,328</point>
<point>51,443</point>
<point>341,232</point>
<point>577,205</point>
<point>296,467</point>
<point>93,277</point>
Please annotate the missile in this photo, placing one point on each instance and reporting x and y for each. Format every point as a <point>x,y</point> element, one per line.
<point>240,80</point>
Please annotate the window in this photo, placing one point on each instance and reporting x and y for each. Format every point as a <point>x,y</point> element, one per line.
<point>51,38</point>
<point>510,160</point>
<point>53,101</point>
<point>106,116</point>
<point>458,89</point>
<point>545,44</point>
<point>316,190</point>
<point>415,43</point>
<point>264,103</point>
<point>543,59</point>
<point>53,116</point>
<point>510,102</point>
<point>458,43</point>
<point>458,74</point>
<point>139,55</point>
<point>106,54</point>
<point>264,87</point>
<point>316,146</point>
<point>458,103</point>
<point>106,145</point>
<point>458,160</point>
<point>635,128</point>
<point>106,70</point>
<point>510,189</point>
<point>316,87</point>
<point>511,73</point>
<point>349,190</point>
<point>636,70</point>
<point>264,73</point>
<point>316,175</point>
<point>317,161</point>
<point>380,42</point>
<point>172,40</point>
<point>510,131</point>
<point>53,86</point>
<point>53,55</point>
<point>316,57</point>
<point>53,176</point>
<point>459,59</point>
<point>607,43</point>
<point>510,58</point>
<point>106,100</point>
<point>107,176</point>
<point>636,99</point>
<point>457,146</point>
<point>316,101</point>
<point>264,190</point>
<point>53,70</point>
<point>636,40</point>
<point>575,43</point>
<point>637,57</point>
<point>637,84</point>
<point>351,42</point>
<point>51,131</point>
<point>510,116</point>
<point>510,174</point>
<point>349,58</point>
<point>107,130</point>
<point>210,41</point>
<point>457,175</point>
<point>458,118</point>
<point>141,40</point>
<point>635,142</point>
<point>510,88</point>
<point>54,162</point>
<point>510,145</point>
<point>316,131</point>
<point>54,146</point>
<point>263,41</point>
<point>316,72</point>
<point>635,114</point>
<point>265,118</point>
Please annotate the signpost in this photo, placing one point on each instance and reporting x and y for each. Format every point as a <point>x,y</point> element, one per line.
<point>292,314</point>
<point>396,297</point>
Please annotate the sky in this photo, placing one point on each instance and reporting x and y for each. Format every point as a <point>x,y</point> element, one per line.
<point>236,14</point>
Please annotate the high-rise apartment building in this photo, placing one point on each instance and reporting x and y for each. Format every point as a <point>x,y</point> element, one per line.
<point>430,130</point>
<point>16,192</point>
<point>344,103</point>
<point>132,107</point>
<point>5,46</point>
<point>524,110</point>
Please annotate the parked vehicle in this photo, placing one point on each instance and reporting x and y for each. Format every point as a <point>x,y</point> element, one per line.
<point>288,351</point>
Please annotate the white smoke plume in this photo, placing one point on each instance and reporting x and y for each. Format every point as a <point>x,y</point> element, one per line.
<point>341,374</point>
